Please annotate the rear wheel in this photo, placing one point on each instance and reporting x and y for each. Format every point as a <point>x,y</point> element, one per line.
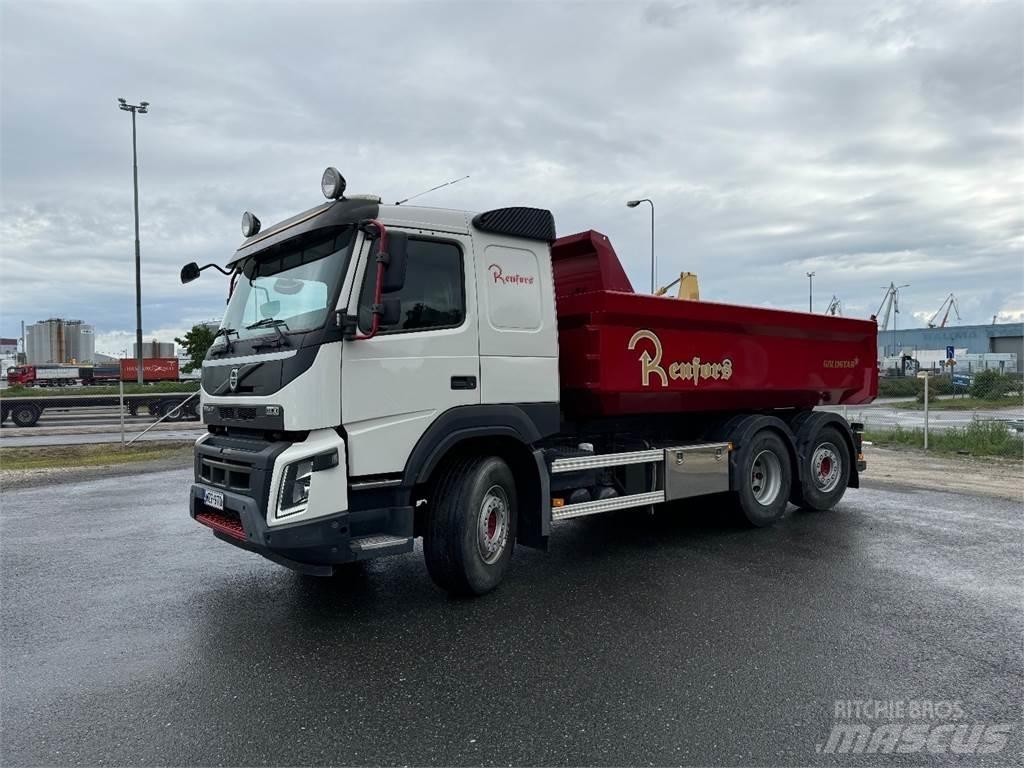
<point>174,411</point>
<point>763,474</point>
<point>25,415</point>
<point>826,471</point>
<point>471,526</point>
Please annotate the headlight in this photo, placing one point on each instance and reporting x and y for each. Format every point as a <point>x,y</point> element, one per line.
<point>295,487</point>
<point>250,225</point>
<point>332,184</point>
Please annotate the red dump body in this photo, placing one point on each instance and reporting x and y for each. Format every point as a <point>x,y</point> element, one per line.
<point>626,353</point>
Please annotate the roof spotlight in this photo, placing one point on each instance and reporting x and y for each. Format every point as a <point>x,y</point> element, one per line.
<point>250,225</point>
<point>332,184</point>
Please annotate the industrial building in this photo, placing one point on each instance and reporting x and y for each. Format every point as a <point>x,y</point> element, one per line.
<point>975,339</point>
<point>8,347</point>
<point>59,341</point>
<point>154,348</point>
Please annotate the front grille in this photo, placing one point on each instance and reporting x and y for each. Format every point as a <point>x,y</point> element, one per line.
<point>225,473</point>
<point>232,413</point>
<point>226,522</point>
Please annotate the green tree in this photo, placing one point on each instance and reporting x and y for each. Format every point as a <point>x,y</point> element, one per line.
<point>196,343</point>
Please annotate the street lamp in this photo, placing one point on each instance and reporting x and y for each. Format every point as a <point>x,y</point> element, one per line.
<point>810,291</point>
<point>634,204</point>
<point>141,108</point>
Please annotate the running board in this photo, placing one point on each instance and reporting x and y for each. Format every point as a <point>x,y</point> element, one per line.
<point>383,544</point>
<point>579,463</point>
<point>608,505</point>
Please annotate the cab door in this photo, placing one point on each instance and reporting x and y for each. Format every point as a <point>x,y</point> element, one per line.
<point>395,384</point>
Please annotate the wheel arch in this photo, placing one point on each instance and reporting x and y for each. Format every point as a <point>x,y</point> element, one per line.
<point>741,428</point>
<point>808,424</point>
<point>507,431</point>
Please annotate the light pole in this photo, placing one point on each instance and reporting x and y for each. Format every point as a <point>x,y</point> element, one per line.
<point>142,108</point>
<point>810,291</point>
<point>634,204</point>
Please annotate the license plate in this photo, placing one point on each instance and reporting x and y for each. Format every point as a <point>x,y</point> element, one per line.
<point>214,499</point>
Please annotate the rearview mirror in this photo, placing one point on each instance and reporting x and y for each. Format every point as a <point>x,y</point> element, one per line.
<point>189,272</point>
<point>287,286</point>
<point>392,311</point>
<point>394,275</point>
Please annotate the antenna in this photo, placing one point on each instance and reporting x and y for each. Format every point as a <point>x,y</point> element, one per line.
<point>447,183</point>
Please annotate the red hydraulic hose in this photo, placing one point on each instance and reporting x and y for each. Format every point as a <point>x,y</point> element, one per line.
<point>381,249</point>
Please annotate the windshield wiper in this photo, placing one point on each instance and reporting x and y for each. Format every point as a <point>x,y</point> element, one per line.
<point>270,322</point>
<point>226,333</point>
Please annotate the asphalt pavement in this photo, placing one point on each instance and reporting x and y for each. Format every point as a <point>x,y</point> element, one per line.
<point>132,636</point>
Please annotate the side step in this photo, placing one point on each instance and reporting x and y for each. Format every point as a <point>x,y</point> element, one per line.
<point>607,505</point>
<point>366,547</point>
<point>578,463</point>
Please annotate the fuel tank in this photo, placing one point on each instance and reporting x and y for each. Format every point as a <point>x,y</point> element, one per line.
<point>623,353</point>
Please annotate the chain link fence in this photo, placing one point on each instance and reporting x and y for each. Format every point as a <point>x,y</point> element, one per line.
<point>979,415</point>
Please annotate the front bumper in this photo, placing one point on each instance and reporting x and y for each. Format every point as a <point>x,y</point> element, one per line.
<point>344,527</point>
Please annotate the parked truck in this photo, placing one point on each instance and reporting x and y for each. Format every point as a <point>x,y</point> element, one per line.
<point>44,375</point>
<point>389,372</point>
<point>153,369</point>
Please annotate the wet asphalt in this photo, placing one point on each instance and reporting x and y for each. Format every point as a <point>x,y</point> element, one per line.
<point>130,635</point>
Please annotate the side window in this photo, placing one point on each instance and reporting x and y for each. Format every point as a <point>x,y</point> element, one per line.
<point>434,292</point>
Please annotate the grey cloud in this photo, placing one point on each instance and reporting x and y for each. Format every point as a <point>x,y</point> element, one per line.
<point>866,141</point>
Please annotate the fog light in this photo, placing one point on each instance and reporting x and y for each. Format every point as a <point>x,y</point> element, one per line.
<point>295,487</point>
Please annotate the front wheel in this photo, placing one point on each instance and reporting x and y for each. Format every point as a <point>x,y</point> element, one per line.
<point>471,528</point>
<point>763,478</point>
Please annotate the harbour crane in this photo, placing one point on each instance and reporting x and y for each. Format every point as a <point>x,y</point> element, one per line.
<point>835,307</point>
<point>949,303</point>
<point>891,305</point>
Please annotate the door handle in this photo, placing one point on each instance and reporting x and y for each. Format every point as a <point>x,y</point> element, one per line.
<point>463,382</point>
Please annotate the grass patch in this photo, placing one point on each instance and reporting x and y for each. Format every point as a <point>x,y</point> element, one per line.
<point>980,438</point>
<point>961,404</point>
<point>104,454</point>
<point>157,388</point>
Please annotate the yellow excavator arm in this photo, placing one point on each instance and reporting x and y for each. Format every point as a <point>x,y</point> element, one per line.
<point>688,287</point>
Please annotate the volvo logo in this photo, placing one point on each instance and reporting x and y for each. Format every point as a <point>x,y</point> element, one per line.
<point>233,379</point>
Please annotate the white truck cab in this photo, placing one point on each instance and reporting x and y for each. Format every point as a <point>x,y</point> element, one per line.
<point>321,429</point>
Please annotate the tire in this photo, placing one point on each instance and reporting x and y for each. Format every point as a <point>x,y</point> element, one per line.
<point>471,526</point>
<point>826,471</point>
<point>174,411</point>
<point>25,415</point>
<point>763,476</point>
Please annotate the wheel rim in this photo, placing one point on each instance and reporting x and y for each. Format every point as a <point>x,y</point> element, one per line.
<point>826,467</point>
<point>492,524</point>
<point>765,478</point>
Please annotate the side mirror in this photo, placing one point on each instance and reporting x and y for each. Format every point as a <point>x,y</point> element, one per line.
<point>394,275</point>
<point>270,308</point>
<point>189,272</point>
<point>392,311</point>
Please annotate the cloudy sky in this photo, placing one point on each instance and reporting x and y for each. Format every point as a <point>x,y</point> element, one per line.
<point>867,142</point>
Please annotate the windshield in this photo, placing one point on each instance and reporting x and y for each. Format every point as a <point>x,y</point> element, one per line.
<point>290,286</point>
